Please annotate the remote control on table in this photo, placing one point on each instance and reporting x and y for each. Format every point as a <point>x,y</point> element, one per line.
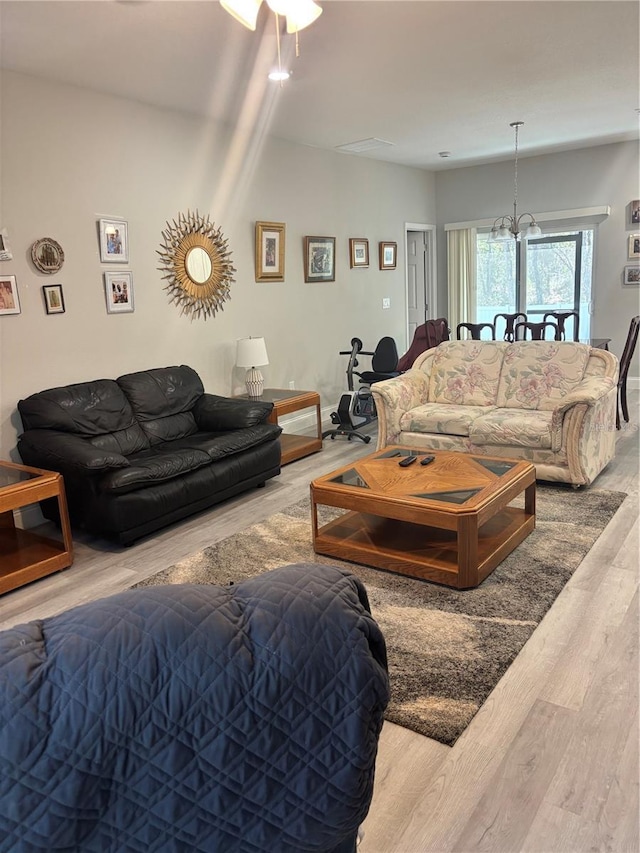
<point>426,460</point>
<point>408,460</point>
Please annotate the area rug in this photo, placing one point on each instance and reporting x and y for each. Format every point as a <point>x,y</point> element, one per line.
<point>447,649</point>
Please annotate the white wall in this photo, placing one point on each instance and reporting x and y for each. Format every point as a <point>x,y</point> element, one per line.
<point>589,177</point>
<point>69,157</point>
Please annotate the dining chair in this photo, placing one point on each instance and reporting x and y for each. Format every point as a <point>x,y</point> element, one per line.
<point>536,331</point>
<point>562,317</point>
<point>625,361</point>
<point>510,321</point>
<point>475,330</point>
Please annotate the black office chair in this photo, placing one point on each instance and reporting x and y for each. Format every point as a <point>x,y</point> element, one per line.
<point>510,321</point>
<point>536,331</point>
<point>625,361</point>
<point>562,317</point>
<point>475,330</point>
<point>384,362</point>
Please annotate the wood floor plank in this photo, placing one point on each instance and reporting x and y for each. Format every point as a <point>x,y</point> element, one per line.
<point>521,779</point>
<point>399,785</point>
<point>614,548</point>
<point>620,817</point>
<point>589,766</point>
<point>555,830</point>
<point>575,670</point>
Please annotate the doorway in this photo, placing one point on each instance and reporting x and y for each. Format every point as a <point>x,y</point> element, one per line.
<point>420,276</point>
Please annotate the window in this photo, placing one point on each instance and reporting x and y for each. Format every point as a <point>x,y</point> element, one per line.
<point>550,273</point>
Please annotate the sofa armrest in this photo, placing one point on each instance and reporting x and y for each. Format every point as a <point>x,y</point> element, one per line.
<point>51,449</point>
<point>394,397</point>
<point>589,391</point>
<point>219,414</point>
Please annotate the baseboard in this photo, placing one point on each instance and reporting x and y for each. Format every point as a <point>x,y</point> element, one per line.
<point>304,423</point>
<point>28,516</point>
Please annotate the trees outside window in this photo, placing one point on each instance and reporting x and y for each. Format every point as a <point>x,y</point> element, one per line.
<point>550,273</point>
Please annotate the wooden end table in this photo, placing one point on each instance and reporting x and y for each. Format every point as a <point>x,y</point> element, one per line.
<point>450,521</point>
<point>24,555</point>
<point>284,403</point>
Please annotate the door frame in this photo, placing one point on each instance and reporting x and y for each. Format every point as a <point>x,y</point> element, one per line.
<point>430,272</point>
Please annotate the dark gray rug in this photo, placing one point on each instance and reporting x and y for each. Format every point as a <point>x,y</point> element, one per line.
<point>447,649</point>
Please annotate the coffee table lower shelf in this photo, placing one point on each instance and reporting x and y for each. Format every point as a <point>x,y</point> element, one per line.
<point>428,553</point>
<point>27,556</point>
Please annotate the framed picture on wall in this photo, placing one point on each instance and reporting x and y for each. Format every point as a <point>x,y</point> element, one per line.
<point>5,249</point>
<point>358,252</point>
<point>632,274</point>
<point>635,212</point>
<point>9,301</point>
<point>388,255</point>
<point>53,298</point>
<point>634,246</point>
<point>319,258</point>
<point>270,251</point>
<point>119,292</point>
<point>114,241</point>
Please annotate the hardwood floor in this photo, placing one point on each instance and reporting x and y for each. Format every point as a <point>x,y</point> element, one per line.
<point>550,762</point>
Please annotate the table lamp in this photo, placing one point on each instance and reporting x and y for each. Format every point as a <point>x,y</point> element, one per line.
<point>252,353</point>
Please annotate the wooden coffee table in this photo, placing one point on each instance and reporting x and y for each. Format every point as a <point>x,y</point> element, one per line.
<point>448,522</point>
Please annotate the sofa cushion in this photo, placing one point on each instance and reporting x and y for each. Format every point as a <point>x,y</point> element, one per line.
<point>539,374</point>
<point>219,445</point>
<point>154,466</point>
<point>220,414</point>
<point>174,458</point>
<point>98,411</point>
<point>466,372</point>
<point>516,428</point>
<point>162,400</point>
<point>440,418</point>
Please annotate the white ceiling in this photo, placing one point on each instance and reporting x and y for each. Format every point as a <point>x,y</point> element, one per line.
<point>427,75</point>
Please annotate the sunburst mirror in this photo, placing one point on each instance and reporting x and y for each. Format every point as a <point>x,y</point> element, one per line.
<point>197,265</point>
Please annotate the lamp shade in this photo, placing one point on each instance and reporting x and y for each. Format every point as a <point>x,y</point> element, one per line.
<point>302,14</point>
<point>245,11</point>
<point>533,230</point>
<point>251,352</point>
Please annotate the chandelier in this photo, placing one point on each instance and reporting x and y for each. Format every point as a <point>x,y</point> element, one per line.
<point>506,227</point>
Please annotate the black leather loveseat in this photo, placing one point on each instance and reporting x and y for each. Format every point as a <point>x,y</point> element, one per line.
<point>146,449</point>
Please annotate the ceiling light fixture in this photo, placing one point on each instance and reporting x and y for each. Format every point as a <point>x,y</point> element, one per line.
<point>506,227</point>
<point>279,76</point>
<point>298,13</point>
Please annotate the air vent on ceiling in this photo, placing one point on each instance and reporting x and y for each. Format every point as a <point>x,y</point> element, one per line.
<point>363,145</point>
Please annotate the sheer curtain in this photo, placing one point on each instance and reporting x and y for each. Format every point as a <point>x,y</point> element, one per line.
<point>461,276</point>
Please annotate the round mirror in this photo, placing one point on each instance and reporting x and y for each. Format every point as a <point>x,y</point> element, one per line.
<point>198,265</point>
<point>196,262</point>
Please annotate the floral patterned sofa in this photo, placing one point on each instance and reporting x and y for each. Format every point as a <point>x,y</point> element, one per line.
<point>551,403</point>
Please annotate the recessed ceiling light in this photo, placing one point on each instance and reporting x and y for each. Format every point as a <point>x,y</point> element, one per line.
<point>279,76</point>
